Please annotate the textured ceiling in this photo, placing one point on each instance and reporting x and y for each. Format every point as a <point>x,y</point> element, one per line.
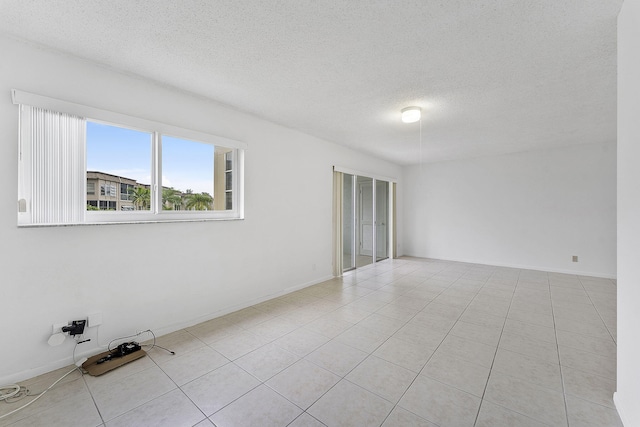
<point>492,76</point>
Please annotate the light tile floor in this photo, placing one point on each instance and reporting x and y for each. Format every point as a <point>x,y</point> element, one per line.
<point>409,342</point>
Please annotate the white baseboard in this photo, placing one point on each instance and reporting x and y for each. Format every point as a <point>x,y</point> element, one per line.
<point>523,267</point>
<point>618,403</point>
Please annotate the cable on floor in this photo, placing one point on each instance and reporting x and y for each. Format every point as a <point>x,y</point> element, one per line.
<point>11,394</point>
<point>151,346</point>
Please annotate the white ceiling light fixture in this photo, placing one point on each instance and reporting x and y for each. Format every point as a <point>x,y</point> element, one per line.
<point>411,114</point>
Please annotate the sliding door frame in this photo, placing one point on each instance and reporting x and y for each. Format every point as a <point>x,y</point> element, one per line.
<point>338,214</point>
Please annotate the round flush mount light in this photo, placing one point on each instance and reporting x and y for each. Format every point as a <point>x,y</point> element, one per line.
<point>411,114</point>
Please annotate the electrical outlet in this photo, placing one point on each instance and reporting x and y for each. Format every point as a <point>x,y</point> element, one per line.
<point>76,327</point>
<point>574,258</point>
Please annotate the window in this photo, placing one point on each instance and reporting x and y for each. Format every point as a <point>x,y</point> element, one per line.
<point>120,158</point>
<point>81,165</point>
<point>228,177</point>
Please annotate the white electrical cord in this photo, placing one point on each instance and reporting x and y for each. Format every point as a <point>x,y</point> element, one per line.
<point>4,395</point>
<point>78,364</point>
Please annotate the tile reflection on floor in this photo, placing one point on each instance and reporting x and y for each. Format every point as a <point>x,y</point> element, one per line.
<point>405,342</point>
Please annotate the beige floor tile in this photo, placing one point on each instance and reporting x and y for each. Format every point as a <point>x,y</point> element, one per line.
<point>382,295</point>
<point>303,383</point>
<point>522,304</point>
<point>350,314</point>
<point>540,333</point>
<point>302,316</point>
<point>461,374</point>
<point>260,407</point>
<point>586,414</point>
<point>71,385</point>
<point>371,284</point>
<point>598,330</point>
<point>489,305</point>
<point>266,361</point>
<point>78,410</point>
<point>586,386</point>
<point>451,312</point>
<point>275,307</point>
<point>173,409</point>
<point>179,342</point>
<point>116,398</point>
<point>489,335</point>
<point>482,319</point>
<point>471,351</point>
<point>301,342</point>
<point>414,301</point>
<point>528,316</point>
<point>527,368</point>
<point>217,389</point>
<point>431,321</point>
<point>397,311</point>
<point>604,347</point>
<point>540,403</point>
<point>402,418</point>
<point>337,357</point>
<point>569,310</point>
<point>381,377</point>
<point>273,328</point>
<point>492,415</point>
<point>367,304</point>
<point>247,317</point>
<point>439,403</point>
<point>404,353</point>
<point>328,326</point>
<point>213,331</point>
<point>420,334</point>
<point>454,301</point>
<point>238,344</point>
<point>189,366</point>
<point>306,420</point>
<point>530,347</point>
<point>362,338</point>
<point>346,404</point>
<point>380,323</point>
<point>588,362</point>
<point>324,305</point>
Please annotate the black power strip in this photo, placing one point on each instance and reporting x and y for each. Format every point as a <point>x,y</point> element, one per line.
<point>121,351</point>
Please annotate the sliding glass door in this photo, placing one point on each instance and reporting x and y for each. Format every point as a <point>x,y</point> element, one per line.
<point>365,221</point>
<point>382,220</point>
<point>348,223</point>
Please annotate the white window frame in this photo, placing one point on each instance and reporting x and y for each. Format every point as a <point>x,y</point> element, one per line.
<point>157,130</point>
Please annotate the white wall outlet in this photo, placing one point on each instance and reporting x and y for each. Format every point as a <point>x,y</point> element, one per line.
<point>94,319</point>
<point>57,327</point>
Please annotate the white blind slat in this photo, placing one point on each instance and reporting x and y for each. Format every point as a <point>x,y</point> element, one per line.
<point>57,167</point>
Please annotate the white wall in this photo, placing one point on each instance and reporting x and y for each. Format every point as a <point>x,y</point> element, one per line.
<point>158,276</point>
<point>627,396</point>
<point>529,210</point>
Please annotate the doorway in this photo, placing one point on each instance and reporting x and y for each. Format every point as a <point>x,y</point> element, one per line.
<point>365,221</point>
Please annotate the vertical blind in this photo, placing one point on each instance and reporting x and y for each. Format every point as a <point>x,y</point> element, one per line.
<point>52,155</point>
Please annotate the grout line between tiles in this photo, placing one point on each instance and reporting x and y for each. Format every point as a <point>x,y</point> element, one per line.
<point>555,333</point>
<point>486,384</point>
